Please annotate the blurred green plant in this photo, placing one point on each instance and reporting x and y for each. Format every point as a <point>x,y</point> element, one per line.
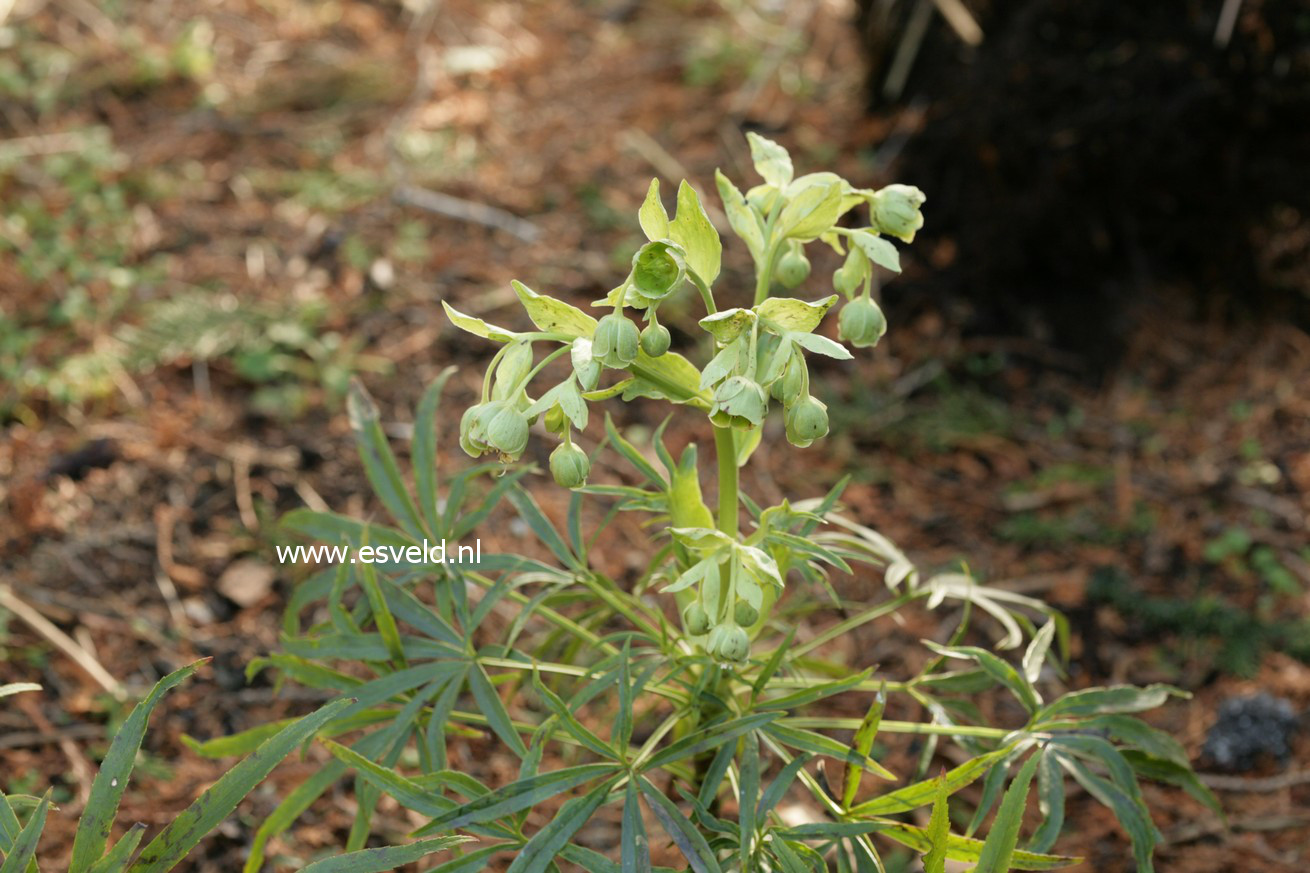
<point>711,722</point>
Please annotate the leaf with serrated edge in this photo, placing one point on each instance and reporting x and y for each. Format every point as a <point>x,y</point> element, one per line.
<point>998,849</point>
<point>186,830</point>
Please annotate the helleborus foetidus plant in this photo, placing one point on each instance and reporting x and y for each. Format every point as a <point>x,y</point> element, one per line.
<point>700,696</point>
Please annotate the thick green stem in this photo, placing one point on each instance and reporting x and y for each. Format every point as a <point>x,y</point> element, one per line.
<point>725,447</point>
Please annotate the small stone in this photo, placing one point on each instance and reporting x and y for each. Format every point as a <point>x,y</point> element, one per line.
<point>246,581</point>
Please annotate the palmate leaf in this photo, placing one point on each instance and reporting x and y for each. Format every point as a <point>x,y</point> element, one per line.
<point>689,840</point>
<point>547,843</point>
<point>115,770</point>
<point>184,832</point>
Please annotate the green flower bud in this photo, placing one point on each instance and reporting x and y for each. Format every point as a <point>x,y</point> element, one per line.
<point>504,429</point>
<point>861,323</point>
<point>658,269</point>
<point>655,340</point>
<point>556,422</point>
<point>696,620</point>
<point>729,642</point>
<point>469,441</point>
<point>569,465</point>
<point>745,614</point>
<point>895,210</point>
<point>741,402</point>
<point>793,268</point>
<point>807,421</point>
<point>615,342</point>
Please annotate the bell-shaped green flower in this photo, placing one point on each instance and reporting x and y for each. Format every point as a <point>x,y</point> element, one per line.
<point>895,210</point>
<point>615,341</point>
<point>658,269</point>
<point>729,642</point>
<point>569,465</point>
<point>503,428</point>
<point>793,268</point>
<point>745,614</point>
<point>655,339</point>
<point>861,323</point>
<point>740,402</point>
<point>470,438</point>
<point>806,421</point>
<point>696,620</point>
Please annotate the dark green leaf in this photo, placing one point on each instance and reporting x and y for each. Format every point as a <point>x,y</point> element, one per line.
<point>778,787</point>
<point>810,741</point>
<point>813,693</point>
<point>1002,671</point>
<point>379,461</point>
<point>547,843</point>
<point>24,848</point>
<point>748,796</point>
<point>634,845</point>
<point>425,451</point>
<point>1117,698</point>
<point>117,858</point>
<point>110,783</point>
<point>494,709</point>
<point>1050,800</point>
<point>516,796</point>
<point>383,859</point>
<point>684,834</point>
<point>186,830</point>
<point>710,738</point>
<point>1173,773</point>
